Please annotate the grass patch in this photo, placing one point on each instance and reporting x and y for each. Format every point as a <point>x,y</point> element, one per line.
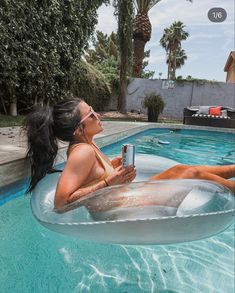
<point>161,120</point>
<point>170,120</point>
<point>7,120</point>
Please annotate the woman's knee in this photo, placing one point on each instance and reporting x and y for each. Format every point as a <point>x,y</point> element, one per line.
<point>179,168</point>
<point>192,173</point>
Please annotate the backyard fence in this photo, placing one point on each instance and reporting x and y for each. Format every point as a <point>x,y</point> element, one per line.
<point>177,95</point>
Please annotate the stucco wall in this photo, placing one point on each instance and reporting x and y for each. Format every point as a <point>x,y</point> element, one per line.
<point>179,97</point>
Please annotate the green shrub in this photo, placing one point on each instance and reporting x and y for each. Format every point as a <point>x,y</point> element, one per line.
<point>41,44</point>
<point>155,105</point>
<point>92,86</point>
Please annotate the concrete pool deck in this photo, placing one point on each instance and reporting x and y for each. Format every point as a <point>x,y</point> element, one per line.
<point>14,166</point>
<point>13,142</point>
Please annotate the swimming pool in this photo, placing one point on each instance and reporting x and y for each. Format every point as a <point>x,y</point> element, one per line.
<point>33,259</point>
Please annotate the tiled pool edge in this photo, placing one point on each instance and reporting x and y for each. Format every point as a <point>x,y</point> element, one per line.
<point>17,170</point>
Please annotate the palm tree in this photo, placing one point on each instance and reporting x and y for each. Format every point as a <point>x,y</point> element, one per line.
<point>181,57</point>
<point>141,32</point>
<point>171,41</point>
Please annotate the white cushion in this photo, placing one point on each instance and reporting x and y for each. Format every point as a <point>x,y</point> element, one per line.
<point>224,114</point>
<point>203,110</point>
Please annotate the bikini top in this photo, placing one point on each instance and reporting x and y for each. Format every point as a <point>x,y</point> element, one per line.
<point>108,168</point>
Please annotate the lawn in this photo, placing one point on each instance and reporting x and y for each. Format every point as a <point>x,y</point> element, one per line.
<point>7,120</point>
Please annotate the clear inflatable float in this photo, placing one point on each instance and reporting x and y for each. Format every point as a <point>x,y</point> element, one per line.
<point>141,212</point>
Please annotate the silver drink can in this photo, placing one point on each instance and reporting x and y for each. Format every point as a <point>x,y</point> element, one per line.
<point>128,155</point>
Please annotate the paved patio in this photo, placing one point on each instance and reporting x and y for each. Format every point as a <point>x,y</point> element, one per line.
<point>14,167</point>
<point>13,141</point>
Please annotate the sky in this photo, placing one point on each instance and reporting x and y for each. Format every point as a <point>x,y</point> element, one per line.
<point>207,47</point>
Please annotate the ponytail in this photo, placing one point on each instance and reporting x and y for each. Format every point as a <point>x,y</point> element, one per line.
<point>42,143</point>
<point>43,127</point>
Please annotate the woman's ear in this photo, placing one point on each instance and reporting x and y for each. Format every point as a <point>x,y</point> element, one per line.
<point>79,130</point>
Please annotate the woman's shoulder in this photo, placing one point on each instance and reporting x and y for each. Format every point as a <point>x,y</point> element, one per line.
<point>84,150</point>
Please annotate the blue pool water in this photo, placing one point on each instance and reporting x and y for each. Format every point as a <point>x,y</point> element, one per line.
<point>34,259</point>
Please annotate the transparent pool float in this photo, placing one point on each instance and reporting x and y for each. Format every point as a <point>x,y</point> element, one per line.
<point>141,212</point>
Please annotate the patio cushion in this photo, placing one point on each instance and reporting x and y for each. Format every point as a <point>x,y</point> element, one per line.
<point>224,113</point>
<point>203,110</point>
<point>215,111</point>
<point>226,118</point>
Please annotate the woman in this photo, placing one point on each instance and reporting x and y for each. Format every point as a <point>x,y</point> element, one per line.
<point>87,169</point>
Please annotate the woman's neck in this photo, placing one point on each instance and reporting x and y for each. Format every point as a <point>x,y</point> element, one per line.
<point>84,139</point>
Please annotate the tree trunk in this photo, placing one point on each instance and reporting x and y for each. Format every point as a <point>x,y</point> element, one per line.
<point>170,64</point>
<point>174,51</point>
<point>171,73</point>
<point>13,109</point>
<point>122,84</point>
<point>3,105</point>
<point>174,65</point>
<point>168,69</point>
<point>138,57</point>
<point>35,101</point>
<point>122,97</point>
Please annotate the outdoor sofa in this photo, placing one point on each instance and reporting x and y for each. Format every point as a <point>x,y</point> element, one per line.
<point>214,116</point>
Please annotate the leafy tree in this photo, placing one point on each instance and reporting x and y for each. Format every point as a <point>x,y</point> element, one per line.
<point>104,46</point>
<point>105,56</point>
<point>171,42</point>
<point>109,68</point>
<point>41,47</point>
<point>93,86</point>
<point>146,73</point>
<point>142,30</point>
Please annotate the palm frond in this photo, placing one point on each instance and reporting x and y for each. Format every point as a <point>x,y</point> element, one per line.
<point>145,5</point>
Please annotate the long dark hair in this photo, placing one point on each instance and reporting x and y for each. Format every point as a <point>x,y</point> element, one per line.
<point>43,126</point>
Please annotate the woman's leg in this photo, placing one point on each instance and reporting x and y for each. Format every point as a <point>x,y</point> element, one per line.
<point>197,173</point>
<point>171,173</point>
<point>200,172</point>
<point>226,171</point>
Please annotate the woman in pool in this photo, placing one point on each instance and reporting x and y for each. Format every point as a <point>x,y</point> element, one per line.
<point>87,169</point>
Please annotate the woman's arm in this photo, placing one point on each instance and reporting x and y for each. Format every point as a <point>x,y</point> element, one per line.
<point>76,172</point>
<point>86,190</point>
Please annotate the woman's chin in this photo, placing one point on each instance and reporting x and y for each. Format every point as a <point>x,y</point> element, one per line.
<point>100,129</point>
